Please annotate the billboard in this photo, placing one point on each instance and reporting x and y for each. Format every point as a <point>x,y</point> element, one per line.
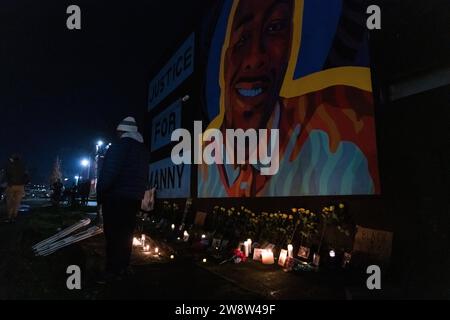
<point>302,67</point>
<point>179,67</point>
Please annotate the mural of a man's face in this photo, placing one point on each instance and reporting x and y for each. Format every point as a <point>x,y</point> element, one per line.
<point>256,61</point>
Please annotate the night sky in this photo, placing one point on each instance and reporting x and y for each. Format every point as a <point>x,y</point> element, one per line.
<point>61,90</point>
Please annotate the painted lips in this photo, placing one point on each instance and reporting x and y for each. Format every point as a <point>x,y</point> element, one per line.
<point>249,87</point>
<point>250,92</point>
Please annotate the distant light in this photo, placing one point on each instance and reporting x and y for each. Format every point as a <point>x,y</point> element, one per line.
<point>99,143</point>
<point>65,179</point>
<point>76,177</point>
<point>173,227</point>
<point>85,162</point>
<point>156,250</point>
<point>171,256</point>
<point>204,260</point>
<point>203,236</point>
<point>332,253</point>
<point>185,98</point>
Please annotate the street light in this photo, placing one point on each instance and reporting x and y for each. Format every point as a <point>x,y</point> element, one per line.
<point>85,163</point>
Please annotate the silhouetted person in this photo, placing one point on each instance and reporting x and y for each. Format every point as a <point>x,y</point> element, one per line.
<point>57,188</point>
<point>85,190</point>
<point>16,178</point>
<point>120,189</point>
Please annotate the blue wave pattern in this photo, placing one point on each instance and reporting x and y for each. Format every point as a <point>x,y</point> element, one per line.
<point>315,171</point>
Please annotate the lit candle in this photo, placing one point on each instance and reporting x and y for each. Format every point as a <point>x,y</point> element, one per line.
<point>316,259</point>
<point>204,260</point>
<point>246,248</point>
<point>282,257</point>
<point>290,251</point>
<point>203,236</point>
<point>185,236</point>
<point>136,242</point>
<point>249,242</point>
<point>156,250</point>
<point>171,256</point>
<point>147,248</point>
<point>173,227</point>
<point>267,257</point>
<point>143,240</point>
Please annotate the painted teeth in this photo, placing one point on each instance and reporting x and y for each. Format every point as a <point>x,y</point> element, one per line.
<point>250,92</point>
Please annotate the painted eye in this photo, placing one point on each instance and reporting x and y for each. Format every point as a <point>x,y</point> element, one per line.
<point>276,26</point>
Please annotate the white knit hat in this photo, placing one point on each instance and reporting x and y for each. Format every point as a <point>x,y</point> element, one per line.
<point>128,125</point>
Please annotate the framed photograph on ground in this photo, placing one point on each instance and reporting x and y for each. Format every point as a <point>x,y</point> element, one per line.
<point>257,254</point>
<point>303,252</point>
<point>215,243</point>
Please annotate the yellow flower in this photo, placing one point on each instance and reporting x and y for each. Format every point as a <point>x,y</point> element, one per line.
<point>307,212</point>
<point>341,205</point>
<point>294,210</point>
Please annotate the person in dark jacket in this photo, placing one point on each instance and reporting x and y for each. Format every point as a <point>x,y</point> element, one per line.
<point>57,188</point>
<point>120,189</point>
<point>16,179</point>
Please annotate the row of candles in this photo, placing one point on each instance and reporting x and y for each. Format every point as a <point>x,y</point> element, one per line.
<point>146,247</point>
<point>266,255</point>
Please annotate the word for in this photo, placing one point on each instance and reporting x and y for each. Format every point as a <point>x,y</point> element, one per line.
<point>257,152</point>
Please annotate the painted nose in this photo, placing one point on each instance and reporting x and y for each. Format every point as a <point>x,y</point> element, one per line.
<point>256,57</point>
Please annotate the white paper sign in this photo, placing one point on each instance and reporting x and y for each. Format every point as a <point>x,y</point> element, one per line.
<point>375,243</point>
